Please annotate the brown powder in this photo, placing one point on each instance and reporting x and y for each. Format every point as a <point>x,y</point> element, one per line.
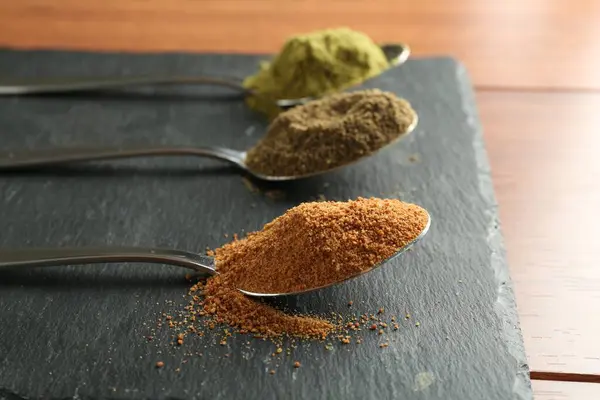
<point>330,132</point>
<point>229,305</point>
<point>316,244</point>
<point>311,245</point>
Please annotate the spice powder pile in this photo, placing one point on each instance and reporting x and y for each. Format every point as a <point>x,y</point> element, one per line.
<point>333,131</point>
<point>315,64</point>
<point>311,245</point>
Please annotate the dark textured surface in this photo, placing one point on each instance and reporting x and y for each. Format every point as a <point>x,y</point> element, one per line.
<point>78,332</point>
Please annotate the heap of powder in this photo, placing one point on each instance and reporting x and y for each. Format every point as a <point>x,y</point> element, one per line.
<point>316,244</point>
<point>330,132</point>
<point>315,64</point>
<point>311,245</point>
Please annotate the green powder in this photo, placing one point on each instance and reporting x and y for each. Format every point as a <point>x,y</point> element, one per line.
<point>313,65</point>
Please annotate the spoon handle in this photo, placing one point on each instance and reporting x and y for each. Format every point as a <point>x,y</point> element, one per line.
<point>58,156</point>
<point>16,86</point>
<point>75,256</point>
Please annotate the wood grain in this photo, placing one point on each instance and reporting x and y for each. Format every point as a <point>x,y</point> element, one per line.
<point>547,390</point>
<point>544,149</point>
<point>564,377</point>
<point>529,43</point>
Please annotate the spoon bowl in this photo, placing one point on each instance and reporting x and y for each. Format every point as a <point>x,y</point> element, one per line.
<point>396,53</point>
<point>258,175</point>
<point>398,253</point>
<point>199,263</point>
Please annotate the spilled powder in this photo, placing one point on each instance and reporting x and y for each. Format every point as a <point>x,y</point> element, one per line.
<point>311,245</point>
<point>230,306</point>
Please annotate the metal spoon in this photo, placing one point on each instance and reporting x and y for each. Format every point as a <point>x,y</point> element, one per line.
<point>199,263</point>
<point>396,54</point>
<point>31,159</point>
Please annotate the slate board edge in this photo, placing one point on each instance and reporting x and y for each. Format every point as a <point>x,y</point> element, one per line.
<point>506,307</point>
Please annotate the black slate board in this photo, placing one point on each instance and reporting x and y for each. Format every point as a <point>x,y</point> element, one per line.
<point>78,332</point>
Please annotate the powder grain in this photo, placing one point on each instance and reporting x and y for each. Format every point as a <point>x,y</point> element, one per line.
<point>330,132</point>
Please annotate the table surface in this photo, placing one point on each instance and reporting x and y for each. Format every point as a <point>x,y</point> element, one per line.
<point>536,68</point>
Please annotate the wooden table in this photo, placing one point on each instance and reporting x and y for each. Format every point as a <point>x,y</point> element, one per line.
<point>536,67</point>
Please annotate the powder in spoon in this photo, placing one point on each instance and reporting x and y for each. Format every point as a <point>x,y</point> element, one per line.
<point>330,132</point>
<point>315,64</point>
<point>316,244</point>
<point>311,245</point>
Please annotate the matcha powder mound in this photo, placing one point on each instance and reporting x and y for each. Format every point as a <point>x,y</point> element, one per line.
<point>330,132</point>
<point>313,65</point>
